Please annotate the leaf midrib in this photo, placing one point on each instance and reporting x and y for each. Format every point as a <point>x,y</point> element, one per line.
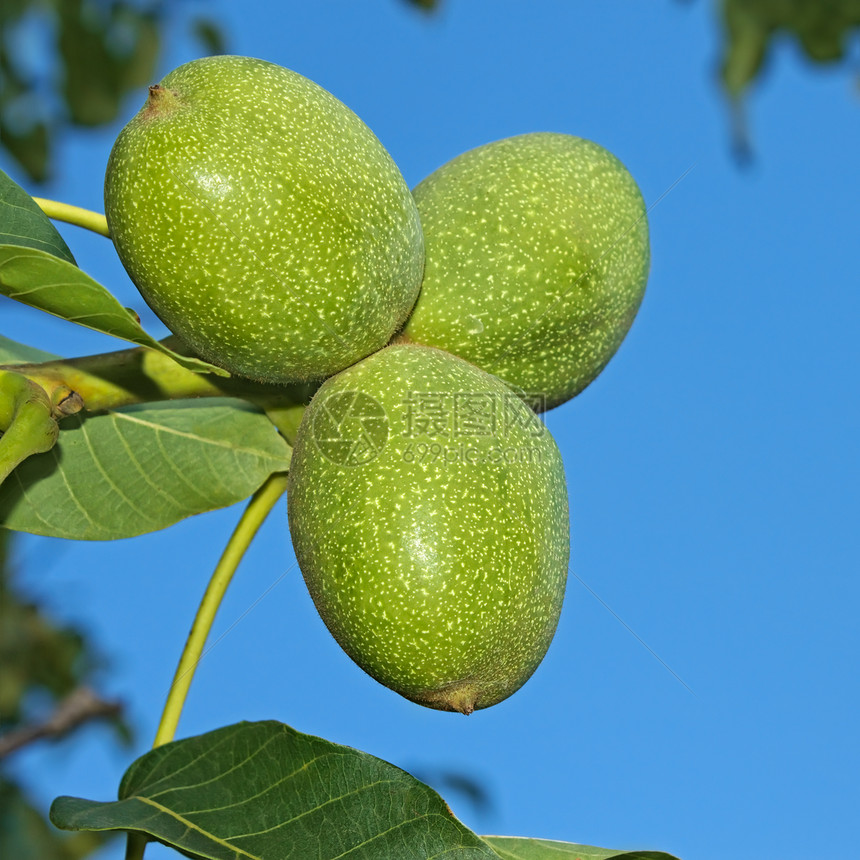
<point>185,434</point>
<point>191,826</point>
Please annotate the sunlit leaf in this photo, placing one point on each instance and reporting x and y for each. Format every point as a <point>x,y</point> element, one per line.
<point>43,281</point>
<point>23,223</point>
<point>515,848</point>
<point>139,469</point>
<point>263,790</point>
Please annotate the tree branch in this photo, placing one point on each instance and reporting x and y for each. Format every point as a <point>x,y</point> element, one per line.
<point>141,375</point>
<point>81,706</point>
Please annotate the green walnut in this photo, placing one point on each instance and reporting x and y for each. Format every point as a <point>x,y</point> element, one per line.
<point>537,257</point>
<point>428,511</point>
<point>263,221</point>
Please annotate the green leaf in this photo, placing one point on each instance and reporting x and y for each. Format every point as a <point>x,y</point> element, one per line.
<point>515,848</point>
<point>823,30</point>
<point>142,468</point>
<point>23,223</point>
<point>26,835</point>
<point>106,49</point>
<point>12,352</point>
<point>424,5</point>
<point>36,655</point>
<point>32,149</point>
<point>209,34</point>
<point>43,281</point>
<point>263,790</point>
<point>139,68</point>
<point>95,53</point>
<point>24,133</point>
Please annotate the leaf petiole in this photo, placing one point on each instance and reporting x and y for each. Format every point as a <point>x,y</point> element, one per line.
<point>255,513</point>
<point>86,218</point>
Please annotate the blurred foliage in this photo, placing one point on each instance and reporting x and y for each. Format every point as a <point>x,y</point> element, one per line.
<point>41,665</point>
<point>36,657</point>
<point>822,27</point>
<point>452,781</point>
<point>26,834</point>
<point>71,62</point>
<point>426,5</point>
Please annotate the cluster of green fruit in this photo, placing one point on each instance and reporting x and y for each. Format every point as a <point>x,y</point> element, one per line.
<point>270,230</point>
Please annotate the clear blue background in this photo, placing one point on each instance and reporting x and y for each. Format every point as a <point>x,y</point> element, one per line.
<point>712,467</point>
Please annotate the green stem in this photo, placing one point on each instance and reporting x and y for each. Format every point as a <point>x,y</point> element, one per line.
<point>134,846</point>
<point>141,375</point>
<point>258,509</point>
<point>85,218</point>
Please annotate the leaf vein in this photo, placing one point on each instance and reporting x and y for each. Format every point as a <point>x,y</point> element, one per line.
<point>168,754</point>
<point>69,489</point>
<point>226,443</point>
<point>139,466</point>
<point>110,481</point>
<point>320,806</point>
<point>219,775</point>
<point>191,826</point>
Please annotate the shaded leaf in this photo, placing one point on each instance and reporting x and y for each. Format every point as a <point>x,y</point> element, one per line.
<point>35,654</point>
<point>12,352</point>
<point>139,70</point>
<point>43,281</point>
<point>209,34</point>
<point>106,50</point>
<point>515,848</point>
<point>31,149</point>
<point>424,5</point>
<point>142,468</point>
<point>98,52</point>
<point>264,790</point>
<point>90,89</point>
<point>23,223</point>
<point>822,29</point>
<point>26,835</point>
<point>38,658</point>
<point>451,781</point>
<point>48,669</point>
<point>25,131</point>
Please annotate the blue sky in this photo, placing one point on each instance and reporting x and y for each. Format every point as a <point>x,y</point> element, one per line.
<point>712,467</point>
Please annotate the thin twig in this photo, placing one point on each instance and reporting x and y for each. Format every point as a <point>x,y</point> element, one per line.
<point>81,706</point>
